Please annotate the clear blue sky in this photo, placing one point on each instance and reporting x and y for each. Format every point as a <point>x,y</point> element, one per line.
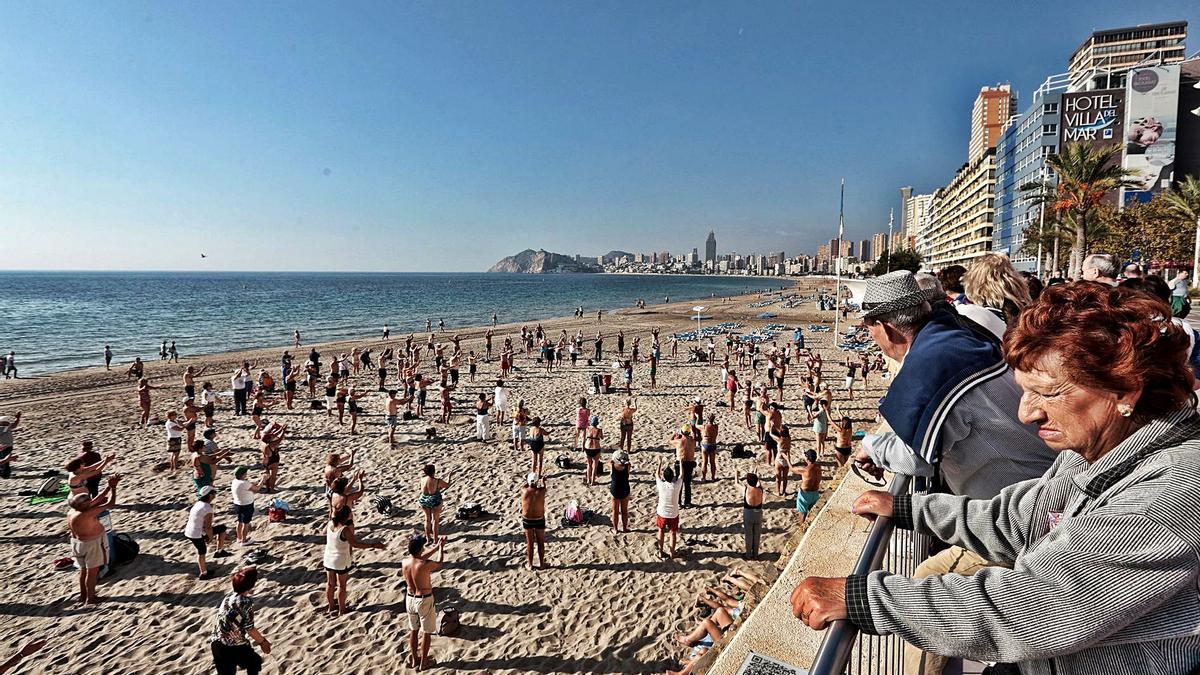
<point>445,135</point>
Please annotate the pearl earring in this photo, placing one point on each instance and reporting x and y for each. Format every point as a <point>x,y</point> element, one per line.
<point>1125,409</point>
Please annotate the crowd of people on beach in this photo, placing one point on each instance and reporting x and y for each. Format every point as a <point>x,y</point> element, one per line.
<point>400,374</point>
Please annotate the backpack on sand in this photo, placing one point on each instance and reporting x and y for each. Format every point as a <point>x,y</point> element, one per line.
<point>124,549</point>
<point>448,624</point>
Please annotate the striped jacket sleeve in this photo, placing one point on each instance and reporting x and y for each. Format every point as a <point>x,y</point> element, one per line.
<point>1086,579</point>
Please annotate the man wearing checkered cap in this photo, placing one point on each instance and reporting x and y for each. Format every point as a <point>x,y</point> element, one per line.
<point>952,413</point>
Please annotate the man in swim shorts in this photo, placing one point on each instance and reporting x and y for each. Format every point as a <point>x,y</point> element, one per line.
<point>533,517</point>
<point>89,541</point>
<point>418,601</point>
<point>810,485</point>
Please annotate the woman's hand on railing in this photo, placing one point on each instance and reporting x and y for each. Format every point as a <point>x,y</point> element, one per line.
<point>819,601</point>
<point>873,504</point>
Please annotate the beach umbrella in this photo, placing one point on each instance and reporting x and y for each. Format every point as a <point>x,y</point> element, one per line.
<point>697,309</point>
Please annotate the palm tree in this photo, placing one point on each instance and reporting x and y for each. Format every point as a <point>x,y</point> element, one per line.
<point>1184,201</point>
<point>1086,173</point>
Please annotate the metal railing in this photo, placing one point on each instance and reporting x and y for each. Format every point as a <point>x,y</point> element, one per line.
<point>844,651</point>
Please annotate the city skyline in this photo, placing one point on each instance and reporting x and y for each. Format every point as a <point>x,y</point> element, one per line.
<point>146,135</point>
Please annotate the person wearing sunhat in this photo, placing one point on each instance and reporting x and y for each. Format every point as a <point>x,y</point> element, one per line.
<point>200,530</point>
<point>618,487</point>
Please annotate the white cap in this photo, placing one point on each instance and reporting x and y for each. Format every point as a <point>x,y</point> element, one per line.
<point>531,478</point>
<point>206,491</point>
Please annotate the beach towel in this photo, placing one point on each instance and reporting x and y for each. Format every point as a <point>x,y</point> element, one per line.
<point>61,495</point>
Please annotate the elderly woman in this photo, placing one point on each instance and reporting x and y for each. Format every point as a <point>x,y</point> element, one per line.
<point>1102,548</point>
<point>997,292</point>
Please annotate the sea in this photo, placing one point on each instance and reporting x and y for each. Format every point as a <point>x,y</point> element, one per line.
<point>57,321</point>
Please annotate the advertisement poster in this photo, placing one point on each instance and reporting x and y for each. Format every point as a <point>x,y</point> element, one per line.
<point>1151,109</point>
<point>1095,117</point>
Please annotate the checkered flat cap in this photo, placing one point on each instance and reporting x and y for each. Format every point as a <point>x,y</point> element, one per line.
<point>892,292</point>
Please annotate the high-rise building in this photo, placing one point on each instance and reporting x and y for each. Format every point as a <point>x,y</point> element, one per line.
<point>1106,56</point>
<point>710,247</point>
<point>847,248</point>
<point>991,112</point>
<point>905,195</point>
<point>864,250</point>
<point>915,213</point>
<point>879,244</point>
<point>1021,160</point>
<point>962,213</point>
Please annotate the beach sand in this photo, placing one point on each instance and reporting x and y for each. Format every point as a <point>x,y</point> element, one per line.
<point>608,604</point>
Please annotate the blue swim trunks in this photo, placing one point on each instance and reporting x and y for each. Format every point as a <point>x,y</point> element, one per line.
<point>806,500</point>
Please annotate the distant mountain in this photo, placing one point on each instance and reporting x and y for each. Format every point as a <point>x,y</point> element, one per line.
<point>530,261</point>
<point>612,256</point>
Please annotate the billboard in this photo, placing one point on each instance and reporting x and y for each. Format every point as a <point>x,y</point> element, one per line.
<point>1151,112</point>
<point>1095,117</point>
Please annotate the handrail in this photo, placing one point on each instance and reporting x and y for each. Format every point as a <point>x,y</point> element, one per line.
<point>834,652</point>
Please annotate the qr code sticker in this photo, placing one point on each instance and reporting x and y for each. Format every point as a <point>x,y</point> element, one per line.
<point>757,664</point>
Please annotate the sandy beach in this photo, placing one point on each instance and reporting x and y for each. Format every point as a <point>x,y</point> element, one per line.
<point>609,603</point>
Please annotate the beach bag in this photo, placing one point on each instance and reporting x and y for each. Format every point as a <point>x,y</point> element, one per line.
<point>573,515</point>
<point>471,510</point>
<point>384,506</point>
<point>739,451</point>
<point>448,624</point>
<point>562,462</point>
<point>316,404</point>
<point>124,549</point>
<point>407,415</point>
<point>277,511</point>
<point>50,487</point>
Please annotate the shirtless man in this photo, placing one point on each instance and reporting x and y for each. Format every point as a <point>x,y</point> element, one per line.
<point>89,541</point>
<point>708,447</point>
<point>533,517</point>
<point>393,414</point>
<point>135,369</point>
<point>419,604</point>
<point>810,485</point>
<point>189,380</point>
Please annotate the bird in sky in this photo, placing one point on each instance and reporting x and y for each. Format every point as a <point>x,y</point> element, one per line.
<point>203,255</point>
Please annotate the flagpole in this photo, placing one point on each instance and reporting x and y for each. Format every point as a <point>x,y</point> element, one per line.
<point>837,262</point>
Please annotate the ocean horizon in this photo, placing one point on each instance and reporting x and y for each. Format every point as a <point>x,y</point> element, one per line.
<point>61,320</point>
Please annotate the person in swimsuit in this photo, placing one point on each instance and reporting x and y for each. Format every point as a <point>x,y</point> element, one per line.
<point>748,402</point>
<point>731,387</point>
<point>338,558</point>
<point>272,439</point>
<point>334,469</point>
<point>820,424</point>
<point>810,485</point>
<point>845,440</point>
<point>343,394</point>
<point>708,448</point>
<point>419,604</point>
<point>136,369</point>
<point>618,487</point>
<point>143,391</point>
<point>582,415</point>
<point>520,422</point>
<point>783,458</point>
<point>256,411</point>
<point>444,393</point>
<point>537,444</point>
<point>626,426</point>
<point>82,476</point>
<point>592,449</point>
<point>533,517</point>
<point>289,388</point>
<point>773,424</point>
<point>430,500</point>
<point>355,409</point>
<point>752,517</point>
<point>723,609</point>
<point>331,388</point>
<point>189,380</point>
<point>107,357</point>
<point>472,366</point>
<point>653,384</point>
<point>627,373</point>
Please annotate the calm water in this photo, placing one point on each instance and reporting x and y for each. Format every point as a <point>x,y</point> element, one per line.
<point>60,320</point>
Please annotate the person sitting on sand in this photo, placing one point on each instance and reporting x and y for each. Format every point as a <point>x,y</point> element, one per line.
<point>810,485</point>
<point>234,626</point>
<point>338,557</point>
<point>533,517</point>
<point>719,611</point>
<point>419,604</point>
<point>618,487</point>
<point>430,500</point>
<point>89,540</point>
<point>669,485</point>
<point>136,369</point>
<point>200,530</point>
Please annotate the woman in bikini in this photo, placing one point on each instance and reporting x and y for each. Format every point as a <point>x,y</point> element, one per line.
<point>626,427</point>
<point>783,458</point>
<point>343,393</point>
<point>143,391</point>
<point>355,409</point>
<point>592,449</point>
<point>430,501</point>
<point>260,406</point>
<point>191,415</point>
<point>334,469</point>
<point>289,388</point>
<point>269,444</point>
<point>346,491</point>
<point>748,402</point>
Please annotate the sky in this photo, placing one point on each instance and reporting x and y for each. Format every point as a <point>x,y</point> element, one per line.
<point>442,136</point>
